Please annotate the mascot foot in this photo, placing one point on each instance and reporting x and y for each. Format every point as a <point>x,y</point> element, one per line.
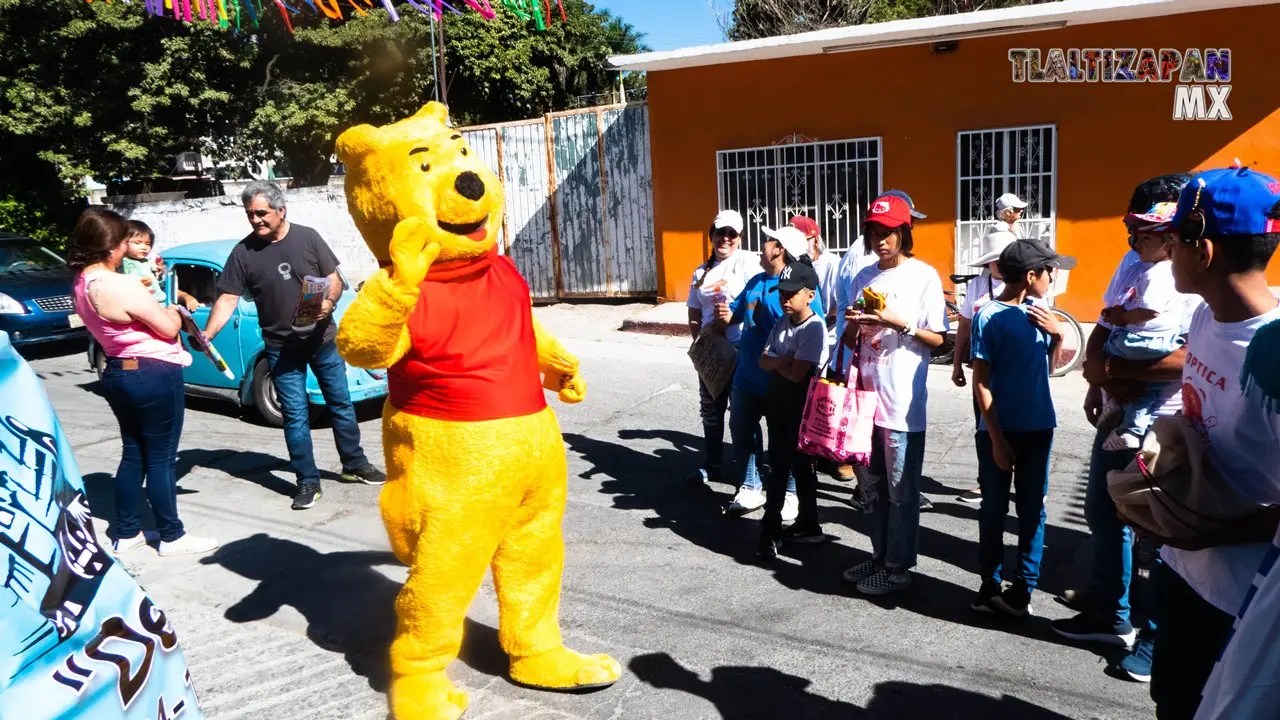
<point>564,669</point>
<point>427,697</point>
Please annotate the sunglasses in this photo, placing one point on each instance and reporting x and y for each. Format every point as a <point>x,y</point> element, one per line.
<point>727,234</point>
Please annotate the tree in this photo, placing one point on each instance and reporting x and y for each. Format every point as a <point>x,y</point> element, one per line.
<point>750,19</point>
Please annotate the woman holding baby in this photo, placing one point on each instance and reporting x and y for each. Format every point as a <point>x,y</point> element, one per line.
<point>142,380</point>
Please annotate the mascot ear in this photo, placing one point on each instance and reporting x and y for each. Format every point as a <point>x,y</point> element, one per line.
<point>356,142</point>
<point>438,112</point>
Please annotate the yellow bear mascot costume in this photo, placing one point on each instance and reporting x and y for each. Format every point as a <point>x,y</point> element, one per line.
<point>475,460</point>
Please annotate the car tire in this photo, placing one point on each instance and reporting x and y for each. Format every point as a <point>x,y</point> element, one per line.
<point>263,393</point>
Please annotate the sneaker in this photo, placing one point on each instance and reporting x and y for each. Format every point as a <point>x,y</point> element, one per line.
<point>973,497</point>
<point>1136,666</point>
<point>308,494</point>
<point>884,582</point>
<point>188,545</point>
<point>1118,441</point>
<point>925,504</point>
<point>803,536</point>
<point>768,547</point>
<point>1078,600</point>
<point>1015,601</point>
<point>790,508</point>
<point>747,500</point>
<point>859,572</point>
<point>369,475</point>
<point>124,545</point>
<point>1086,627</point>
<point>844,473</point>
<point>982,599</point>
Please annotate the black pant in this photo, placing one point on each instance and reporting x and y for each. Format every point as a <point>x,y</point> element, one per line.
<point>784,409</point>
<point>1192,635</point>
<point>712,409</point>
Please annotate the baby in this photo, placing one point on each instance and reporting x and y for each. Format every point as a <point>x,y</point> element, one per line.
<point>1147,325</point>
<point>149,271</point>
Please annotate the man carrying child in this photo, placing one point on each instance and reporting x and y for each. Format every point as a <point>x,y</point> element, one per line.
<point>1014,342</point>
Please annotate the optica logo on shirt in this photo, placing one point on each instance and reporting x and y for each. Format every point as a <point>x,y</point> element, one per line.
<point>1204,76</point>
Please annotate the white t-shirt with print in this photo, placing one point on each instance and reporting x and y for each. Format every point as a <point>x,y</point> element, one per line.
<point>805,341</point>
<point>895,365</point>
<point>979,292</point>
<point>1243,442</point>
<point>828,267</point>
<point>1152,288</point>
<point>722,283</point>
<point>1125,277</point>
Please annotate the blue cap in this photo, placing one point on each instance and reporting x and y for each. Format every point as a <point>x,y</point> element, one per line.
<point>904,196</point>
<point>1231,201</point>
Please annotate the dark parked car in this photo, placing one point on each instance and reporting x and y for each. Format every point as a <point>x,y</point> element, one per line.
<point>35,293</point>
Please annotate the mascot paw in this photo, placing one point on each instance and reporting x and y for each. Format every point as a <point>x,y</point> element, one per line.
<point>573,389</point>
<point>564,669</point>
<point>412,252</point>
<point>427,697</point>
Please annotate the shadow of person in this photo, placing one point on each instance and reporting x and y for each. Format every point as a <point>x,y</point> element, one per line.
<point>348,605</point>
<point>255,467</point>
<point>750,693</point>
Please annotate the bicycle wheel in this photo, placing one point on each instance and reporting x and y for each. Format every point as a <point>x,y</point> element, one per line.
<point>943,354</point>
<point>1072,343</point>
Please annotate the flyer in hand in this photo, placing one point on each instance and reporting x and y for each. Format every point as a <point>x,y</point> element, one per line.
<point>715,359</point>
<point>310,303</point>
<point>197,337</point>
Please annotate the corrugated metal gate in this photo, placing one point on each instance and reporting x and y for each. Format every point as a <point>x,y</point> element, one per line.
<point>579,216</point>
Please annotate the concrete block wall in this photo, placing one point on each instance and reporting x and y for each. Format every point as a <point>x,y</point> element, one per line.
<point>177,222</point>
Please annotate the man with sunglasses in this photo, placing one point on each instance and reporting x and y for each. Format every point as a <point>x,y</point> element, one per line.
<point>269,266</point>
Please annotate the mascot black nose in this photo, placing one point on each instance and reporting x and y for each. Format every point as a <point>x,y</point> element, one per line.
<point>469,185</point>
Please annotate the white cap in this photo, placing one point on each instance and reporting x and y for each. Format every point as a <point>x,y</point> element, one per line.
<point>791,240</point>
<point>993,244</point>
<point>729,219</point>
<point>1009,200</point>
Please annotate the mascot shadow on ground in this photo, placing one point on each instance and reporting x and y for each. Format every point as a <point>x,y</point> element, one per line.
<point>475,460</point>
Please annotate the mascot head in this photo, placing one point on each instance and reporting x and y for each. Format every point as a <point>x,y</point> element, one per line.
<point>420,167</point>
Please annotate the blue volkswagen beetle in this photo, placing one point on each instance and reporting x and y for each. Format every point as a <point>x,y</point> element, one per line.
<point>194,268</point>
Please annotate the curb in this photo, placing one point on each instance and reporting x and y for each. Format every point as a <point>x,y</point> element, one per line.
<point>650,327</point>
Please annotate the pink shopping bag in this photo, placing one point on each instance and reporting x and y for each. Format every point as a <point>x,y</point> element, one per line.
<point>838,416</point>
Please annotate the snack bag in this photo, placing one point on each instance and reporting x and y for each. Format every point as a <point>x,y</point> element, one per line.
<point>872,300</point>
<point>310,303</point>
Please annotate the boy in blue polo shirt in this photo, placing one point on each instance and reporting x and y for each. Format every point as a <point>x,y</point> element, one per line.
<point>1012,343</point>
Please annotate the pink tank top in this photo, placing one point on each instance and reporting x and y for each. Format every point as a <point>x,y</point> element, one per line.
<point>124,340</point>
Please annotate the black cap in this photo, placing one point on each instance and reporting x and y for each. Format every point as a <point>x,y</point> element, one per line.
<point>798,275</point>
<point>1025,255</point>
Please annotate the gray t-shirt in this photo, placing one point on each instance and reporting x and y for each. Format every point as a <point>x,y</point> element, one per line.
<point>271,273</point>
<point>803,341</point>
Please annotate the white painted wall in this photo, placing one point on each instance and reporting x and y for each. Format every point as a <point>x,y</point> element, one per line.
<point>222,218</point>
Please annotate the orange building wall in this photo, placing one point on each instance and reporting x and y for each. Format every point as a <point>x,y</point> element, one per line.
<point>1111,136</point>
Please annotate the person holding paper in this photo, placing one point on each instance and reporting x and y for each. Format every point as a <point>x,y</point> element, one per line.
<point>271,265</point>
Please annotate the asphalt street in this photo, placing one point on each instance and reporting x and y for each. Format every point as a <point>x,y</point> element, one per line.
<point>292,617</point>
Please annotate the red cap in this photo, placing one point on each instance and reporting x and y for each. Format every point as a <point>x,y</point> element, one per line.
<point>890,211</point>
<point>806,225</point>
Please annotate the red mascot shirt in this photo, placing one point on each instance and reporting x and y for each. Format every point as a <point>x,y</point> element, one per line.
<point>473,354</point>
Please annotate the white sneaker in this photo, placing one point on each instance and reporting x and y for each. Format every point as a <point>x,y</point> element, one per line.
<point>188,545</point>
<point>124,545</point>
<point>1118,440</point>
<point>790,508</point>
<point>747,500</point>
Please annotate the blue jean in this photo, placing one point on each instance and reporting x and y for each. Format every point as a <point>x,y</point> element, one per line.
<point>1030,482</point>
<point>1130,346</point>
<point>289,373</point>
<point>746,409</point>
<point>1112,539</point>
<point>891,494</point>
<point>148,400</point>
<point>711,408</point>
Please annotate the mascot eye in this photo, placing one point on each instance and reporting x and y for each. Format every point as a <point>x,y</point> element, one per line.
<point>426,167</point>
<point>464,152</point>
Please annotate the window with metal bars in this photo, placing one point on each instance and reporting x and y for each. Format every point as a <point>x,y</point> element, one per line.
<point>989,163</point>
<point>831,182</point>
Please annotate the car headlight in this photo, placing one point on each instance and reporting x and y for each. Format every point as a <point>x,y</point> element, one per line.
<point>9,306</point>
